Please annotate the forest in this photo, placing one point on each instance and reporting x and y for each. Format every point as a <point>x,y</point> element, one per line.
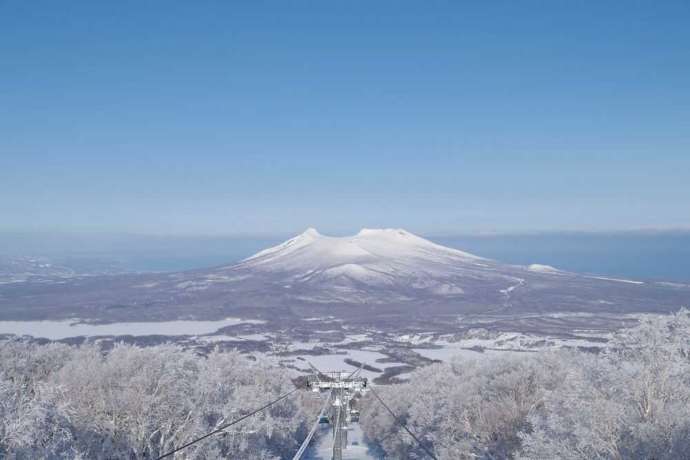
<point>630,401</point>
<point>59,401</point>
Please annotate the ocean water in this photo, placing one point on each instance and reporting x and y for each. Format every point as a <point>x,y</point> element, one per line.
<point>647,256</point>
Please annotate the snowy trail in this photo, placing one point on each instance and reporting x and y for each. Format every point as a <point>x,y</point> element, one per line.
<point>356,448</point>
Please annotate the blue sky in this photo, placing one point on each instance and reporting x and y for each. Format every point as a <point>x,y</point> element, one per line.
<point>269,117</point>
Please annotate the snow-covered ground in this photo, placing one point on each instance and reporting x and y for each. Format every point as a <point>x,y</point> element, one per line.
<point>542,268</point>
<point>618,280</point>
<point>450,350</point>
<point>215,338</point>
<point>508,342</point>
<point>356,449</point>
<point>336,362</point>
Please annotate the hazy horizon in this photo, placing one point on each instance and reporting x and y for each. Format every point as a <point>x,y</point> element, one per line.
<point>642,254</point>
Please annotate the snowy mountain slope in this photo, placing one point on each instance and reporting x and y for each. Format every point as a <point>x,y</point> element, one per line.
<point>312,248</point>
<point>395,267</point>
<point>373,266</point>
<point>374,257</point>
<point>375,273</point>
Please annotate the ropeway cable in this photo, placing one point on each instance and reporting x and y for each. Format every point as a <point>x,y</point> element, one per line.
<point>402,424</point>
<point>229,424</point>
<point>314,427</point>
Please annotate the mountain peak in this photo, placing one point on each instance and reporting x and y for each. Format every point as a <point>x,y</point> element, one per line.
<point>311,232</point>
<point>383,251</point>
<point>384,231</point>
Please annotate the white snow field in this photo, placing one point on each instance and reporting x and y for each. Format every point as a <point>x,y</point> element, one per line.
<point>58,330</point>
<point>372,256</point>
<point>336,361</point>
<point>542,268</point>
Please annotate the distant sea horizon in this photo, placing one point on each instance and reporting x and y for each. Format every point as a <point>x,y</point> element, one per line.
<point>659,256</point>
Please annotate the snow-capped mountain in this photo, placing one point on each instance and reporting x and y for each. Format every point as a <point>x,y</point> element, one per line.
<point>395,267</point>
<point>375,266</point>
<point>375,273</point>
<point>371,258</point>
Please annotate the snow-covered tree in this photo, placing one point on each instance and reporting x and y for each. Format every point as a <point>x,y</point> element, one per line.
<point>58,401</point>
<point>632,401</point>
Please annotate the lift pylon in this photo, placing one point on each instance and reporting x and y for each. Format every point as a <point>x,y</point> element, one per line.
<point>343,386</point>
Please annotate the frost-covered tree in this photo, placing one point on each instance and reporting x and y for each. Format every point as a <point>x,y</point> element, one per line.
<point>79,402</point>
<point>632,401</point>
<point>466,409</point>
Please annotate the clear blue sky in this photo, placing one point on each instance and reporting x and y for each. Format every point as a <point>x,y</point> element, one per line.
<point>259,117</point>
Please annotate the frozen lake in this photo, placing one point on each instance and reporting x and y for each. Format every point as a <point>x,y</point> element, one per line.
<point>57,330</point>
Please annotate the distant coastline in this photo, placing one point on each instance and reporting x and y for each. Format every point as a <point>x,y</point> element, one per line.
<point>647,255</point>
